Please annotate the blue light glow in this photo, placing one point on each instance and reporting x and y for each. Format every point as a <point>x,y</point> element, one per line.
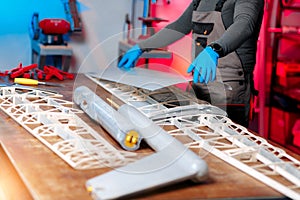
<point>16,15</point>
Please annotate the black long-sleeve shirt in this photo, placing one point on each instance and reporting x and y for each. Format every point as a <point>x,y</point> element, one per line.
<point>242,20</point>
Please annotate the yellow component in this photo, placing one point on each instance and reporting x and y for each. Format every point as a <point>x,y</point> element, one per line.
<point>26,81</point>
<point>134,140</point>
<point>90,189</point>
<point>131,138</point>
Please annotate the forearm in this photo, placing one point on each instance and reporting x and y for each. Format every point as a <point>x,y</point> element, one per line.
<point>245,21</point>
<point>162,38</point>
<point>171,32</point>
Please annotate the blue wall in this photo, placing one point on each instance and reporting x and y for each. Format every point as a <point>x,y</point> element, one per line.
<point>15,18</point>
<point>16,15</point>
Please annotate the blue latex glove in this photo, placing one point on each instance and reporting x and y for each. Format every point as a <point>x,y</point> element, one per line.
<point>204,65</point>
<point>130,57</point>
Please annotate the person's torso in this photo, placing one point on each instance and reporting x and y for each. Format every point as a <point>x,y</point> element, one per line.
<point>247,50</point>
<point>209,27</point>
<point>227,9</point>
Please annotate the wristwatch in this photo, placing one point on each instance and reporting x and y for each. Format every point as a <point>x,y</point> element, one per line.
<point>217,48</point>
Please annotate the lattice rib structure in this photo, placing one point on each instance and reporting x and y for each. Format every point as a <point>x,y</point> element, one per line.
<point>237,146</point>
<point>55,123</point>
<point>207,127</point>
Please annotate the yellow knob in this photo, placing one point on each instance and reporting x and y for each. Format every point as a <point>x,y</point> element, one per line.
<point>131,138</point>
<point>89,189</point>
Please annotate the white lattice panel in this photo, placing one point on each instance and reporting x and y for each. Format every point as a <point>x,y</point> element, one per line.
<point>208,128</point>
<point>55,123</point>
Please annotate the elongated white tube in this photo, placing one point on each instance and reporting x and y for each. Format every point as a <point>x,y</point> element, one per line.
<point>156,137</point>
<point>112,121</point>
<point>172,163</point>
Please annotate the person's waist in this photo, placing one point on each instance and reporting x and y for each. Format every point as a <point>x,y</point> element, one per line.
<point>248,58</point>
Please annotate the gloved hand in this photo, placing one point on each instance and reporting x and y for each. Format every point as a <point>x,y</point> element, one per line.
<point>130,57</point>
<point>204,65</point>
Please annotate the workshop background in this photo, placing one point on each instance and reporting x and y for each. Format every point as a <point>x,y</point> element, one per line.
<point>100,27</point>
<point>276,74</point>
<point>96,17</point>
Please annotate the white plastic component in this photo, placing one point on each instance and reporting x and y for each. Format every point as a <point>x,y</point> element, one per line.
<point>116,125</point>
<point>225,139</point>
<point>139,76</point>
<point>156,137</point>
<point>54,122</point>
<point>172,163</point>
<point>168,166</point>
<point>142,100</point>
<point>242,149</point>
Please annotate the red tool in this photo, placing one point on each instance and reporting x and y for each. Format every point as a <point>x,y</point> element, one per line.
<point>32,71</point>
<point>39,74</point>
<point>35,74</point>
<point>51,71</point>
<point>20,71</point>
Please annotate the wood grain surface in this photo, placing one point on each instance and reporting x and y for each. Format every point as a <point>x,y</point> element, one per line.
<point>41,174</point>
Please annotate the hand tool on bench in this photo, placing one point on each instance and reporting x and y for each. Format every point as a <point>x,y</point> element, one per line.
<point>27,81</point>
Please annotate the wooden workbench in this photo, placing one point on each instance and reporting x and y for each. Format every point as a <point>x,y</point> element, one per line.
<point>29,170</point>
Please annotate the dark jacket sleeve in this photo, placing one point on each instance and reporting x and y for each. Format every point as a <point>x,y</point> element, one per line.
<point>171,33</point>
<point>245,24</point>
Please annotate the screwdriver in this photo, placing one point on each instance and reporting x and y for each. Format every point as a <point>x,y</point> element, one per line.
<point>28,81</point>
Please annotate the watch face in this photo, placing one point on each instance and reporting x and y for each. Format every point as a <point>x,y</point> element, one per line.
<point>217,48</point>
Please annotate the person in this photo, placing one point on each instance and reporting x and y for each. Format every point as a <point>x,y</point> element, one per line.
<point>225,35</point>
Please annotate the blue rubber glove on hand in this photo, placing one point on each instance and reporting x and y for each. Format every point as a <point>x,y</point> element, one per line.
<point>205,66</point>
<point>130,57</point>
